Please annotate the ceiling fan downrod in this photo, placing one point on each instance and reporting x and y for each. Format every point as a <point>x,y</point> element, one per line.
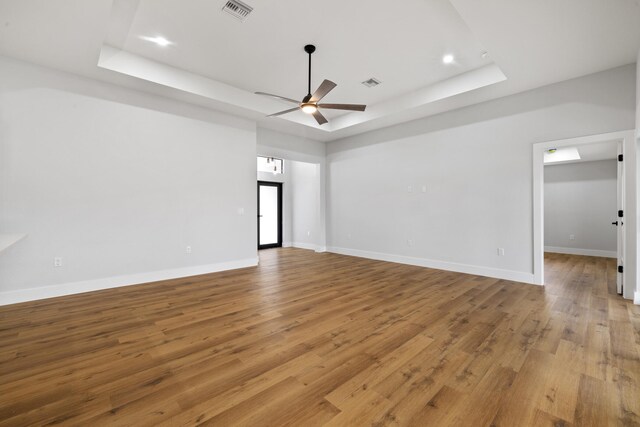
<point>309,49</point>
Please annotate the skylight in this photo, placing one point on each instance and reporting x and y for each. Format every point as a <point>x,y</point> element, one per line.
<point>555,155</point>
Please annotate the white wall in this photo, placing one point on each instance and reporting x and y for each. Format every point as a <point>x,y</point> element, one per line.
<point>476,165</point>
<point>305,208</point>
<point>117,183</point>
<point>290,147</point>
<point>580,200</point>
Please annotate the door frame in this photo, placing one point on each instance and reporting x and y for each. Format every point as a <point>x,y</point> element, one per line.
<point>278,185</point>
<point>620,217</point>
<point>627,139</point>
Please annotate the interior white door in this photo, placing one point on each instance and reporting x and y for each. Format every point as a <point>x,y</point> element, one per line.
<point>620,220</point>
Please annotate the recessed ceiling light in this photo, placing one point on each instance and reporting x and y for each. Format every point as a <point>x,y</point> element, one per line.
<point>447,59</point>
<point>160,41</point>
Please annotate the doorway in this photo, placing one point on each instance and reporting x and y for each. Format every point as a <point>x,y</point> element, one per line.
<point>624,230</point>
<point>269,214</point>
<point>583,201</point>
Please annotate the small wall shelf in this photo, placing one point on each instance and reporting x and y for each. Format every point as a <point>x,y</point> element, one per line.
<point>8,239</point>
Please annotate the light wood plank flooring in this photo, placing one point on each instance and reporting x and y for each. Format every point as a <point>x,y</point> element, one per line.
<point>322,339</point>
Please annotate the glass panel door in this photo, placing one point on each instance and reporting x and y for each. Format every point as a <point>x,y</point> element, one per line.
<point>269,214</point>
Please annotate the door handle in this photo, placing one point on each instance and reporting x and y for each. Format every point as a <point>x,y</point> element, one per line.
<point>260,216</point>
<point>614,223</point>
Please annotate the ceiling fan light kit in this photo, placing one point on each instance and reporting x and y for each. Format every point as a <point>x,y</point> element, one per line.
<point>310,103</point>
<point>309,108</point>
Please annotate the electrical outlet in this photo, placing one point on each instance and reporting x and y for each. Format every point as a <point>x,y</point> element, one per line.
<point>572,237</point>
<point>500,251</point>
<point>409,242</point>
<point>409,189</point>
<point>424,188</point>
<point>308,233</point>
<point>241,211</point>
<point>57,262</point>
<point>188,250</point>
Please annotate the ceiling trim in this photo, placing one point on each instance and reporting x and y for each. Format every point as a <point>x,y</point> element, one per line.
<point>139,67</point>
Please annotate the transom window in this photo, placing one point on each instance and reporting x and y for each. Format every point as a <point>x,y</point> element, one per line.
<point>270,164</point>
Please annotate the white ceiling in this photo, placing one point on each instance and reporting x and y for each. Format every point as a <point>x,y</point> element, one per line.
<point>355,41</point>
<point>217,62</point>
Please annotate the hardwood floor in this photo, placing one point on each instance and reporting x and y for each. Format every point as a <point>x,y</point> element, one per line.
<point>323,339</point>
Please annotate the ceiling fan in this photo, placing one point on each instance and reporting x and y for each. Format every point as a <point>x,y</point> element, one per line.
<point>310,103</point>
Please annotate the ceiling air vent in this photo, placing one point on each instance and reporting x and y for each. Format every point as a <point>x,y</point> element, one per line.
<point>237,9</point>
<point>372,82</point>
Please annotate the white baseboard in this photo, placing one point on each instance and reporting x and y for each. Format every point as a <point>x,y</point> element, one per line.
<point>516,276</point>
<point>578,251</point>
<point>309,246</point>
<point>636,298</point>
<point>301,245</point>
<point>287,244</point>
<point>31,294</point>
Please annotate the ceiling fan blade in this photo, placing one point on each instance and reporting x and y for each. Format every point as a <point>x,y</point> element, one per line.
<point>352,107</point>
<point>326,87</point>
<point>282,98</point>
<point>284,112</point>
<point>320,118</point>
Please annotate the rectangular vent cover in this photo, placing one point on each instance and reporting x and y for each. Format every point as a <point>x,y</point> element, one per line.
<point>237,9</point>
<point>372,82</point>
